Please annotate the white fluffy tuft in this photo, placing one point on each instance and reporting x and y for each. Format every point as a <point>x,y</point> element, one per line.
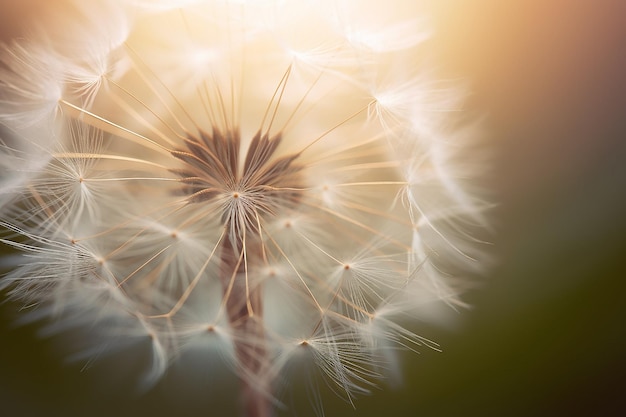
<point>258,186</point>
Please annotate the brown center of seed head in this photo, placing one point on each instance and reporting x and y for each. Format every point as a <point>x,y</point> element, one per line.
<point>248,191</point>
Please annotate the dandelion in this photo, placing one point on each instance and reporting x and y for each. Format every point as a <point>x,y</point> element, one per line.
<point>275,185</point>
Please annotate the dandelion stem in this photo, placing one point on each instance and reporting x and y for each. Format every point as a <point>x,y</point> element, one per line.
<point>244,307</point>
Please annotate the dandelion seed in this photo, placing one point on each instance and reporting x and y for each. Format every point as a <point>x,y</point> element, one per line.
<point>252,182</point>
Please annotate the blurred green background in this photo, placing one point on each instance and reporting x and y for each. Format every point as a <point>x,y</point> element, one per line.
<point>547,332</point>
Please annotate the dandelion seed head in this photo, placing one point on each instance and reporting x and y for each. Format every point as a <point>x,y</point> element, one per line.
<point>257,183</point>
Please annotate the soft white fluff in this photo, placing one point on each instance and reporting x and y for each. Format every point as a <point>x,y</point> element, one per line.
<point>144,197</point>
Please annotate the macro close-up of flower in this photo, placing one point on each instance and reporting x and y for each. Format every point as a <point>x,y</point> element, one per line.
<point>271,207</point>
<point>270,188</point>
